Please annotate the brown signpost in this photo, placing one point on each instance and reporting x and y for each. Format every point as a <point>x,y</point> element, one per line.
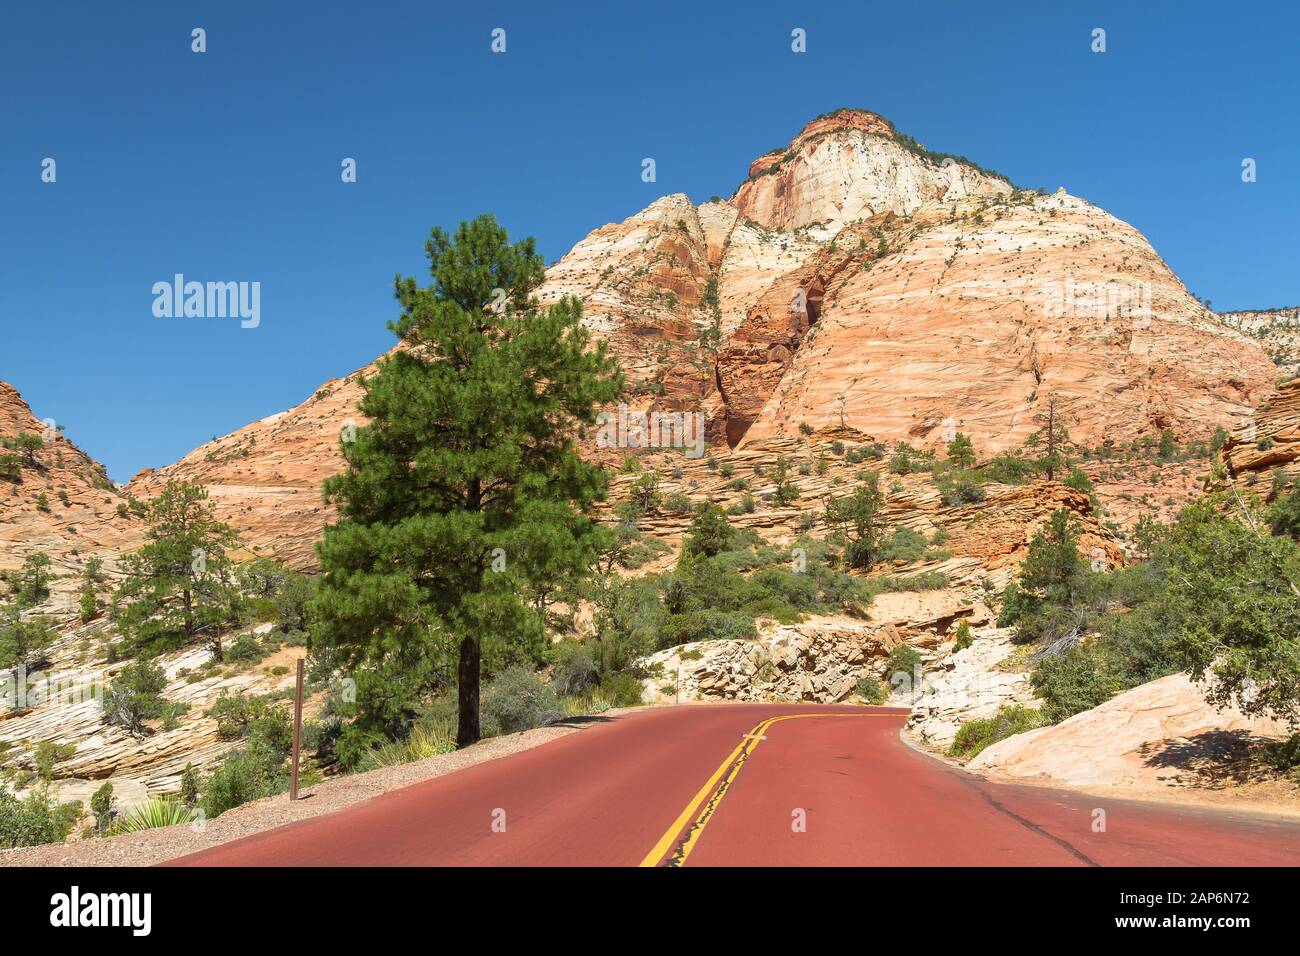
<point>297,732</point>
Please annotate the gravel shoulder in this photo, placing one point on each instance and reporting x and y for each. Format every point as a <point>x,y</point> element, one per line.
<point>155,846</point>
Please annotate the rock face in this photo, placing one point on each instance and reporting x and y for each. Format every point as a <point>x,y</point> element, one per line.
<point>1152,737</point>
<point>992,306</point>
<point>80,516</point>
<point>854,282</point>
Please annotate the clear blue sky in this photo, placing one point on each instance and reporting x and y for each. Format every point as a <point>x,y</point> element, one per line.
<point>225,165</point>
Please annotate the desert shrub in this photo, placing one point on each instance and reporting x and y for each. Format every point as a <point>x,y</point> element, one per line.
<point>961,488</point>
<point>48,753</point>
<point>1074,681</point>
<point>903,658</point>
<point>190,784</point>
<point>135,696</point>
<point>871,690</point>
<point>35,819</point>
<point>975,735</point>
<point>1008,469</point>
<point>677,503</point>
<point>744,506</point>
<point>706,625</point>
<point>517,699</point>
<point>245,648</point>
<point>101,807</point>
<point>962,637</point>
<point>709,532</point>
<point>621,689</point>
<point>575,669</point>
<point>243,775</point>
<point>904,545</point>
<point>429,737</point>
<point>1284,756</point>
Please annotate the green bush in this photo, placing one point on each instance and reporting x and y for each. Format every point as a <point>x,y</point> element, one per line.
<point>903,658</point>
<point>904,545</point>
<point>245,648</point>
<point>35,819</point>
<point>48,753</point>
<point>1075,681</point>
<point>135,696</point>
<point>190,784</point>
<point>575,669</point>
<point>975,735</point>
<point>962,637</point>
<point>243,775</point>
<point>621,689</point>
<point>1284,756</point>
<point>962,488</point>
<point>101,807</point>
<point>870,690</point>
<point>517,699</point>
<point>709,533</point>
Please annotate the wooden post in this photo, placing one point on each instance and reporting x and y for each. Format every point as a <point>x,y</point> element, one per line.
<point>297,731</point>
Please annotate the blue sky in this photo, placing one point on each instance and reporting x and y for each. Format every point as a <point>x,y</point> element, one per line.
<point>225,165</point>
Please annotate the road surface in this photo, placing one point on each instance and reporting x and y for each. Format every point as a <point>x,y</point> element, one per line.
<point>751,785</point>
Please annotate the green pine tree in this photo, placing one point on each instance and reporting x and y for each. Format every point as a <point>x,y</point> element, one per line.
<point>179,586</point>
<point>466,482</point>
<point>961,452</point>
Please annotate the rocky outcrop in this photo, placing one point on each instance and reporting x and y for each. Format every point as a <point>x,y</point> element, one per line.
<point>817,661</point>
<point>1155,737</point>
<point>1268,441</point>
<point>851,164</point>
<point>820,659</point>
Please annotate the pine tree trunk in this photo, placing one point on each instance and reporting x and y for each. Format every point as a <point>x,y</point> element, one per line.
<point>467,728</point>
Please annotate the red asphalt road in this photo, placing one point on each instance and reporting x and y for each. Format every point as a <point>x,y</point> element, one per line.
<point>607,796</point>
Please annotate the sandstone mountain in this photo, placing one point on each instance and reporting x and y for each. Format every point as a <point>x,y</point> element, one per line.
<point>855,280</point>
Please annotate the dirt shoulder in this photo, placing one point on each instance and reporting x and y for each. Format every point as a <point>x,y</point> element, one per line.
<point>155,846</point>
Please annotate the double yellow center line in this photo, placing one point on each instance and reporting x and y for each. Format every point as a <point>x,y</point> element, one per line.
<point>715,788</point>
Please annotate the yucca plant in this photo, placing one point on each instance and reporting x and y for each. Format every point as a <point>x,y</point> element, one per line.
<point>151,815</point>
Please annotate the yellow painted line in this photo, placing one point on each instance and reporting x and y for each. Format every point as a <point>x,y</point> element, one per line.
<point>733,763</point>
